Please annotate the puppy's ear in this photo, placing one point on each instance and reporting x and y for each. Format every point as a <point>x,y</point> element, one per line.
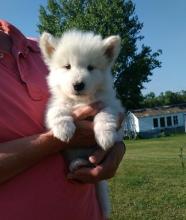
<point>111,47</point>
<point>47,44</point>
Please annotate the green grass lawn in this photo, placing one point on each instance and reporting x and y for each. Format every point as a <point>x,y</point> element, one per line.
<point>150,183</point>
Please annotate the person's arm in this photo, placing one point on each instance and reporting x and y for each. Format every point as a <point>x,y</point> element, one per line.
<point>21,154</point>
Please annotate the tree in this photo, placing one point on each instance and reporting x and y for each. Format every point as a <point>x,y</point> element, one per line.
<point>133,67</point>
<point>165,98</point>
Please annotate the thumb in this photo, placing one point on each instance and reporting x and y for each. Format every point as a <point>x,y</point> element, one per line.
<point>98,156</point>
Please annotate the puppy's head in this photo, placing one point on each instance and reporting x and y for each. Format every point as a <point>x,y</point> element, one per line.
<point>79,62</point>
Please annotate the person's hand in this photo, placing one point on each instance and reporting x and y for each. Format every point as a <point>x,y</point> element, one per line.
<point>106,164</point>
<point>83,118</point>
<point>84,135</point>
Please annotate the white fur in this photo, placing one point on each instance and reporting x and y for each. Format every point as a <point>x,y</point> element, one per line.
<point>80,50</point>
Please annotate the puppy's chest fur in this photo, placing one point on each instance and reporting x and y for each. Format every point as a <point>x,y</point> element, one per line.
<point>72,104</point>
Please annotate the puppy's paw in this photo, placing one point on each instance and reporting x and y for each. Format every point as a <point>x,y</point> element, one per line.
<point>105,139</point>
<point>64,131</point>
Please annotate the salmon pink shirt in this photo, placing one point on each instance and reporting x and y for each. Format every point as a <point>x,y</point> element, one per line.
<point>42,192</point>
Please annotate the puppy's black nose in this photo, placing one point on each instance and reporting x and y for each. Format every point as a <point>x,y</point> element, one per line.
<point>79,86</point>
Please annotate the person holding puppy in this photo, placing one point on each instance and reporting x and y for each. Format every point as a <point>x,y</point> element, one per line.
<point>34,181</point>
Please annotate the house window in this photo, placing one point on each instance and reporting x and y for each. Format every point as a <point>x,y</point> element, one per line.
<point>162,122</point>
<point>175,120</point>
<point>169,121</point>
<point>155,122</point>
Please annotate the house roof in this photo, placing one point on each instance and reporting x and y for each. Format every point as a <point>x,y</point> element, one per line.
<point>163,110</point>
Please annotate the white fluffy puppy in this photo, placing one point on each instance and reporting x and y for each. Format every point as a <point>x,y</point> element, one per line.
<point>80,73</point>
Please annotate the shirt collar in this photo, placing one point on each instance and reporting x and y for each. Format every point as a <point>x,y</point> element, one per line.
<point>20,42</point>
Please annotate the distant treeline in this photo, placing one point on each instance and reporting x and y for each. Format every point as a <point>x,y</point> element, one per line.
<point>165,98</point>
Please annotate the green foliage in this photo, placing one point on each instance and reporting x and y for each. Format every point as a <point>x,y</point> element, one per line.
<point>167,98</point>
<point>134,67</point>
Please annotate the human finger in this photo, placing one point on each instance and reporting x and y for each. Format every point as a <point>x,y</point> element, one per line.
<point>87,111</point>
<point>98,156</point>
<point>84,124</point>
<point>86,175</point>
<point>105,170</point>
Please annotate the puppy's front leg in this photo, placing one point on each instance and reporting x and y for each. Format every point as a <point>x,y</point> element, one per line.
<point>105,128</point>
<point>60,121</point>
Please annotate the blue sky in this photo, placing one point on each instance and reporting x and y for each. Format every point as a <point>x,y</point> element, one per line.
<point>164,28</point>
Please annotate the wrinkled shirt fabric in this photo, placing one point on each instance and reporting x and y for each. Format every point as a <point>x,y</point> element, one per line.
<point>42,192</point>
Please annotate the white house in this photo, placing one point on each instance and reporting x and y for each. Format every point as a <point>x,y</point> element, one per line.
<point>153,121</point>
<point>131,125</point>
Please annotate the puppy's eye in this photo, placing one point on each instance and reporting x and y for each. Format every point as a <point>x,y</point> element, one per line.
<point>90,67</point>
<point>67,66</point>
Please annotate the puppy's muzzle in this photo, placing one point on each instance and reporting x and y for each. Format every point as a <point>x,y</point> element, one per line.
<point>78,87</point>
